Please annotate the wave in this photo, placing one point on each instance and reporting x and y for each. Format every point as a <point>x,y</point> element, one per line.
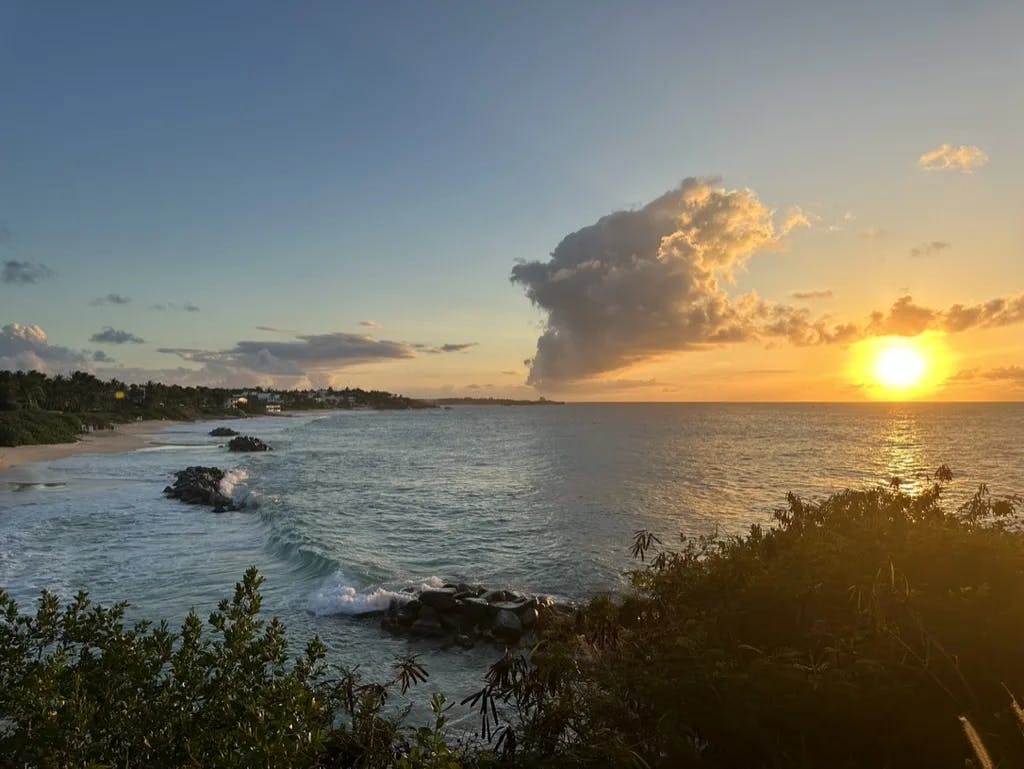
<point>234,485</point>
<point>336,596</point>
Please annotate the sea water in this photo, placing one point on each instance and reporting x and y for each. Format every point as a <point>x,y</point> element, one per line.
<point>352,507</point>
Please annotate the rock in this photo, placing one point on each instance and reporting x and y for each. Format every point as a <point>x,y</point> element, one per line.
<point>464,640</point>
<point>507,625</point>
<point>442,600</point>
<point>496,596</point>
<point>427,623</point>
<point>200,486</point>
<point>223,432</point>
<point>247,443</point>
<point>528,617</point>
<point>475,609</point>
<point>512,606</point>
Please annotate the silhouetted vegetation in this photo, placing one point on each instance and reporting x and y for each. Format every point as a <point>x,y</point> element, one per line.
<point>857,632</point>
<point>36,408</point>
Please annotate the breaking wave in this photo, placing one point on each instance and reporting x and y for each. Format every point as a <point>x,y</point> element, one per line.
<point>337,596</point>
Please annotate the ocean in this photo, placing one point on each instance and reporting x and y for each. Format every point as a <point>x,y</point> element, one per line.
<point>351,507</point>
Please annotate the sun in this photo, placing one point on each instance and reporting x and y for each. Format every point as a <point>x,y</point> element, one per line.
<point>901,367</point>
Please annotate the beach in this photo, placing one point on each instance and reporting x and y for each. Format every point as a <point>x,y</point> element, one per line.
<point>124,437</point>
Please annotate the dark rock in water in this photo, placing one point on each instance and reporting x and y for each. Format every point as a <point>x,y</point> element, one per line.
<point>427,623</point>
<point>442,600</point>
<point>200,486</point>
<point>464,614</point>
<point>223,432</point>
<point>475,609</point>
<point>507,625</point>
<point>247,443</point>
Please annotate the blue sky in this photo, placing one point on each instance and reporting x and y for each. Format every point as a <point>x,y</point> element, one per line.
<point>309,166</point>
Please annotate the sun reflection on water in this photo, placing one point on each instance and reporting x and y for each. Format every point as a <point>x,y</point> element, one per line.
<point>902,445</point>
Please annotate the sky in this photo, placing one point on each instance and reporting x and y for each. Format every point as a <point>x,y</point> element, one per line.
<point>590,201</point>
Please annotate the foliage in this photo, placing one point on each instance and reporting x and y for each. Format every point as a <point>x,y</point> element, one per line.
<point>35,408</point>
<point>854,633</point>
<point>869,629</point>
<point>19,428</point>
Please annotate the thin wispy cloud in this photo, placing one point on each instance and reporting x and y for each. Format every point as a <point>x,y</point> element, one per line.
<point>110,299</point>
<point>113,336</point>
<point>24,273</point>
<point>369,323</point>
<point>298,357</point>
<point>927,249</point>
<point>950,157</point>
<point>825,293</point>
<point>461,347</point>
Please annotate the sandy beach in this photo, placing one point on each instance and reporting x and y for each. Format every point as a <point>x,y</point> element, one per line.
<point>126,437</point>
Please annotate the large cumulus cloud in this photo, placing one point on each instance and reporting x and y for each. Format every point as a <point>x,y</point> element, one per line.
<point>640,283</point>
<point>26,347</point>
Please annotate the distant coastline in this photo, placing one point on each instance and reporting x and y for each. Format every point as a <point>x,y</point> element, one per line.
<point>494,402</point>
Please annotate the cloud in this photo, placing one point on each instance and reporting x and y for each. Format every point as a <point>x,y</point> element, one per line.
<point>27,348</point>
<point>23,273</point>
<point>101,357</point>
<point>905,318</point>
<point>112,336</point>
<point>871,233</point>
<point>457,347</point>
<point>825,293</point>
<point>1012,376</point>
<point>795,219</point>
<point>110,299</point>
<point>927,249</point>
<point>645,282</point>
<point>5,235</point>
<point>369,323</point>
<point>948,157</point>
<point>510,373</point>
<point>304,355</point>
<point>171,306</point>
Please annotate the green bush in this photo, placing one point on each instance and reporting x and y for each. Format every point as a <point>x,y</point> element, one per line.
<point>855,633</point>
<point>20,428</point>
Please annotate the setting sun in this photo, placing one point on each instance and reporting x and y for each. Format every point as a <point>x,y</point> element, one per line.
<point>900,367</point>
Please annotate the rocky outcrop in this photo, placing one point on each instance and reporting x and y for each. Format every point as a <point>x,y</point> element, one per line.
<point>223,432</point>
<point>464,614</point>
<point>200,486</point>
<point>247,443</point>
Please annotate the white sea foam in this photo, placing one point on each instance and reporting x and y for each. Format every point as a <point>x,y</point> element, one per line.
<point>234,485</point>
<point>337,596</point>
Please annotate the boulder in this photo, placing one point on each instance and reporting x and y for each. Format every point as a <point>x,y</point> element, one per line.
<point>442,600</point>
<point>247,443</point>
<point>475,609</point>
<point>223,432</point>
<point>200,486</point>
<point>427,623</point>
<point>528,617</point>
<point>507,626</point>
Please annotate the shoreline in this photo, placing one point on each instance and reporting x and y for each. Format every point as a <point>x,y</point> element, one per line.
<point>122,439</point>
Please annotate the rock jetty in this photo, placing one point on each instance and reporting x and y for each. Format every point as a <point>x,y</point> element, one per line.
<point>247,443</point>
<point>464,614</point>
<point>201,486</point>
<point>223,432</point>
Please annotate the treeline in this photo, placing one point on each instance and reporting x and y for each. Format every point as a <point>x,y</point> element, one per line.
<point>870,629</point>
<point>36,408</point>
